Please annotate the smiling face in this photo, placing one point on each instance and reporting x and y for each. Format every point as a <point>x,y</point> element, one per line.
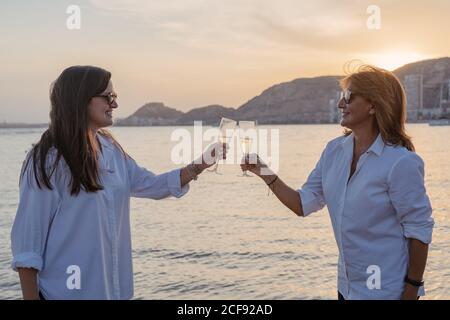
<point>100,110</point>
<point>358,112</point>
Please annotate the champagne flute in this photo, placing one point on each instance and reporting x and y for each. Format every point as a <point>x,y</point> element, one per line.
<point>225,136</point>
<point>246,128</point>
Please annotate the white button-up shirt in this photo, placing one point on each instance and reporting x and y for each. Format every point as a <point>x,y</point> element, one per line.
<point>372,214</point>
<point>81,244</point>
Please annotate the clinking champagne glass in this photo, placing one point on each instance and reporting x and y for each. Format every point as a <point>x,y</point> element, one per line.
<point>246,137</point>
<point>226,128</point>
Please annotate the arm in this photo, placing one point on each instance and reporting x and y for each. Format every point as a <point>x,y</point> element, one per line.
<point>30,229</point>
<point>146,184</point>
<point>288,196</point>
<point>188,173</point>
<point>418,252</point>
<point>408,196</point>
<point>191,171</point>
<point>28,282</point>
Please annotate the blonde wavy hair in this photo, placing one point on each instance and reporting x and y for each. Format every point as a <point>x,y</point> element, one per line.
<point>384,90</point>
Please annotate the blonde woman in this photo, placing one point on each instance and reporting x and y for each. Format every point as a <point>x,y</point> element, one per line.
<point>372,182</point>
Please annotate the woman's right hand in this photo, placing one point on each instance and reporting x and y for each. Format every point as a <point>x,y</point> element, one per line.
<point>253,163</point>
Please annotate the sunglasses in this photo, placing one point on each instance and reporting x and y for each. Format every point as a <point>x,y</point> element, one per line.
<point>110,97</point>
<point>347,96</point>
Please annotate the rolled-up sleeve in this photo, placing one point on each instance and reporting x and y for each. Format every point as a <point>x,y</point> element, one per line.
<point>31,225</point>
<point>311,193</point>
<point>146,184</point>
<point>408,196</point>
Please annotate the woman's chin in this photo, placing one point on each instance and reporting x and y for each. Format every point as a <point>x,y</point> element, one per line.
<point>108,122</point>
<point>346,123</point>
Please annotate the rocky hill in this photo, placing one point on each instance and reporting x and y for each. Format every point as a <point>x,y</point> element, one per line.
<point>210,115</point>
<point>311,100</point>
<point>152,114</point>
<point>305,100</point>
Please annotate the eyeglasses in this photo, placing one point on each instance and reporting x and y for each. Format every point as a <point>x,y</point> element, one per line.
<point>110,97</point>
<point>347,96</point>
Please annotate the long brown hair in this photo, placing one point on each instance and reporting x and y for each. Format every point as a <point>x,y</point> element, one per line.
<point>68,130</point>
<point>384,90</point>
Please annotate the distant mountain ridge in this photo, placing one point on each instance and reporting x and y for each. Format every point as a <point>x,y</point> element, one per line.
<point>303,100</point>
<point>152,114</point>
<point>308,100</point>
<point>157,114</point>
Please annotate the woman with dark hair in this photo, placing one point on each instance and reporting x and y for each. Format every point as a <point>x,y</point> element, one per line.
<point>372,182</point>
<point>71,235</point>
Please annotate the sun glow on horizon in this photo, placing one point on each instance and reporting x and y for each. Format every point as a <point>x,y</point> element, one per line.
<point>393,60</point>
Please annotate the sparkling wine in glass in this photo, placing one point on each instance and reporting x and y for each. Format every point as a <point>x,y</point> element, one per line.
<point>246,134</point>
<point>246,143</point>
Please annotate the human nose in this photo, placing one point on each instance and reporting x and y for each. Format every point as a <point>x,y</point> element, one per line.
<point>341,103</point>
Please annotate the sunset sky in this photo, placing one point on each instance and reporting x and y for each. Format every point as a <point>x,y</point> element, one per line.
<point>192,53</point>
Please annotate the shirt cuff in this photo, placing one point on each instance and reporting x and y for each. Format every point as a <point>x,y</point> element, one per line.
<point>27,260</point>
<point>420,232</point>
<point>174,183</point>
<point>310,203</point>
<point>421,291</point>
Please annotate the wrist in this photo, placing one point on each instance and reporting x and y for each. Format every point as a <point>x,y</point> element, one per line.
<point>410,288</point>
<point>413,282</point>
<point>268,178</point>
<point>31,295</point>
<point>410,292</point>
<point>193,170</point>
<point>266,173</point>
<point>200,167</point>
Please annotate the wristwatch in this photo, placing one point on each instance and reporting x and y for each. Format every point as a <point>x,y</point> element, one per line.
<point>413,282</point>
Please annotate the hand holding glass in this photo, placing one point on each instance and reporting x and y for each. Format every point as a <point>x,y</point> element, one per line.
<point>246,128</point>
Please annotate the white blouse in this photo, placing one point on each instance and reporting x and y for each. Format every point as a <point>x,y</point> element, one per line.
<point>372,214</point>
<point>81,244</point>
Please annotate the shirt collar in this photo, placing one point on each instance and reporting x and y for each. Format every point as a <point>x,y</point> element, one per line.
<point>104,141</point>
<point>105,156</point>
<point>347,144</point>
<point>376,147</point>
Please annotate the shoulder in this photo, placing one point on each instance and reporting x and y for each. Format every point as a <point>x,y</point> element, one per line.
<point>337,141</point>
<point>105,137</point>
<point>107,140</point>
<point>334,145</point>
<point>112,145</point>
<point>50,158</point>
<point>32,174</point>
<point>403,162</point>
<point>399,155</point>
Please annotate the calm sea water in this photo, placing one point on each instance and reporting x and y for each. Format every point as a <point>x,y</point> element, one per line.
<point>227,239</point>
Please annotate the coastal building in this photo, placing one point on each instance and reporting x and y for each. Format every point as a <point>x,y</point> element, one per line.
<point>426,101</point>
